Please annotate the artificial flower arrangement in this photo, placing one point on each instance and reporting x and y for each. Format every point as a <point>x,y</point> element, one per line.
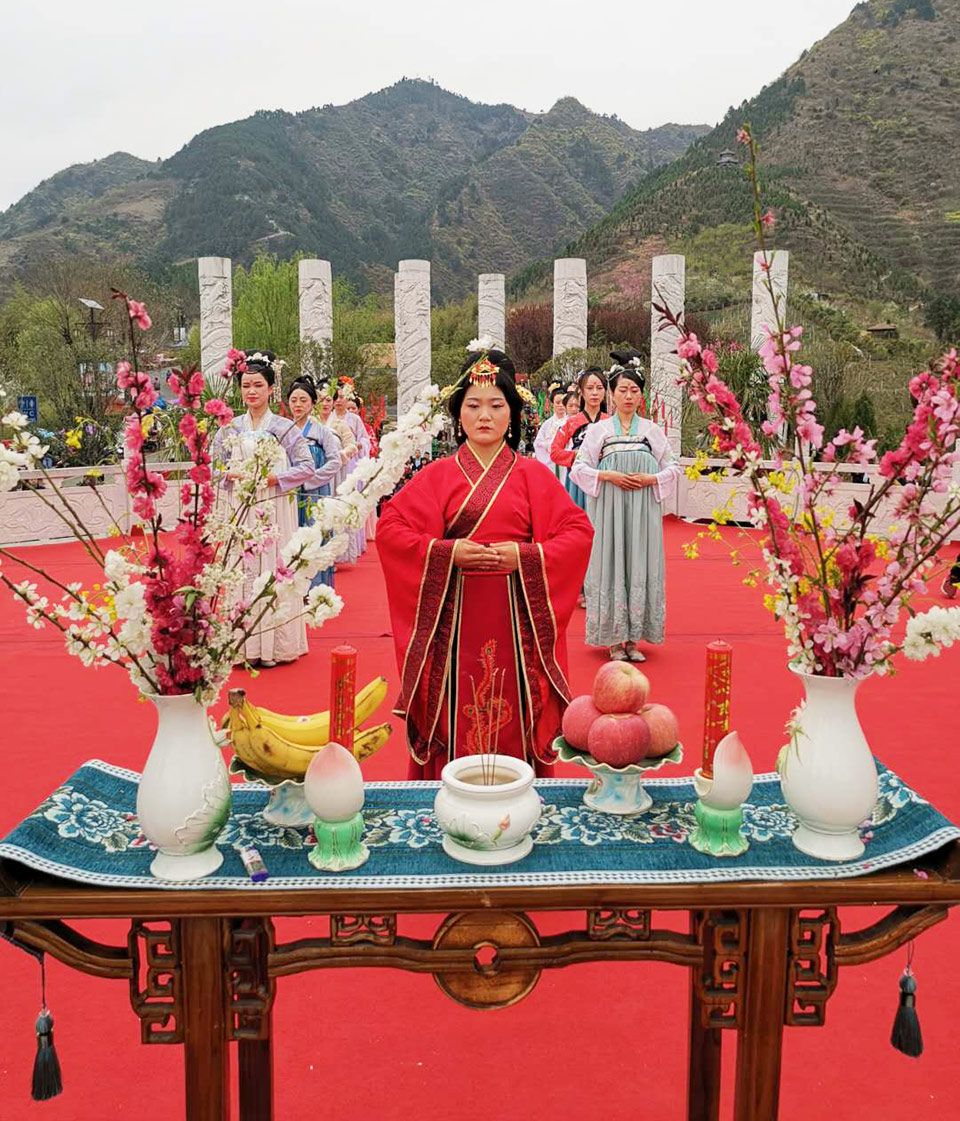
<point>171,609</point>
<point>839,581</point>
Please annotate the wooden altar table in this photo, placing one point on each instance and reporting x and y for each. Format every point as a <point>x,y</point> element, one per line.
<point>202,966</point>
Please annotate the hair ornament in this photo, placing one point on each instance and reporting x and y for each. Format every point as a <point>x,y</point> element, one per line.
<point>526,396</point>
<point>482,372</point>
<point>478,346</point>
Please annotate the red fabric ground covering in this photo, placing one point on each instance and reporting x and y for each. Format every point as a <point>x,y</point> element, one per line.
<point>590,1040</point>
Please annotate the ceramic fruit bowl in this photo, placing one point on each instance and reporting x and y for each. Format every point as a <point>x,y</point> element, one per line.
<point>615,790</point>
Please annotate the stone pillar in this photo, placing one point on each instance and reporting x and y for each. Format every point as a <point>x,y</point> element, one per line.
<point>316,308</point>
<point>569,304</point>
<point>216,317</point>
<point>492,308</point>
<point>762,313</point>
<point>666,397</point>
<point>411,312</point>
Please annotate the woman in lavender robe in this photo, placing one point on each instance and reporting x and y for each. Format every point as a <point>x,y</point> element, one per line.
<point>277,637</point>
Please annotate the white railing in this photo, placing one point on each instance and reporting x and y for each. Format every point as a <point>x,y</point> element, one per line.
<point>30,517</point>
<point>26,516</point>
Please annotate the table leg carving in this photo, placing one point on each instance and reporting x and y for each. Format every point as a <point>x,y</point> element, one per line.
<point>720,981</point>
<point>812,967</point>
<point>760,1032</point>
<point>205,1022</point>
<point>250,995</point>
<point>704,1058</point>
<point>156,980</point>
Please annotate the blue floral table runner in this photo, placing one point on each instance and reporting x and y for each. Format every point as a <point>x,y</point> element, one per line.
<point>87,831</point>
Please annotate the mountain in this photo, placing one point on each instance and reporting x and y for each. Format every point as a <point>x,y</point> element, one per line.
<point>410,171</point>
<point>859,158</point>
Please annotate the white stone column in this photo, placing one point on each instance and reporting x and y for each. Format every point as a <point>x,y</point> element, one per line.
<point>762,312</point>
<point>411,312</point>
<point>492,307</point>
<point>316,307</point>
<point>569,304</point>
<point>668,288</point>
<point>216,316</point>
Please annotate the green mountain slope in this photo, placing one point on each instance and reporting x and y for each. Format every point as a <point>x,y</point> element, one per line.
<point>859,157</point>
<point>411,170</point>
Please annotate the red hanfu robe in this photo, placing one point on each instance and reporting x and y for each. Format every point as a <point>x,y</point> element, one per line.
<point>482,655</point>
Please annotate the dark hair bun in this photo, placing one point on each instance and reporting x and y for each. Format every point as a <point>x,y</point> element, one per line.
<point>307,384</point>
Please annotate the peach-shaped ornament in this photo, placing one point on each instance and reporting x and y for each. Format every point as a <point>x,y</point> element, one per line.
<point>719,809</point>
<point>333,788</point>
<point>732,775</point>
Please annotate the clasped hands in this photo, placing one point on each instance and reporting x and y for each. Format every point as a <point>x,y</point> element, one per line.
<point>626,481</point>
<point>501,556</point>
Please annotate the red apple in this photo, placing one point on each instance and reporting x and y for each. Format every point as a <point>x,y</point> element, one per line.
<point>620,687</point>
<point>577,721</point>
<point>619,739</point>
<point>664,730</point>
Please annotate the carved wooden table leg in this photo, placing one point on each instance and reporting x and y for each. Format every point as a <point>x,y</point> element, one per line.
<point>255,1061</point>
<point>703,1066</point>
<point>205,1050</point>
<point>760,1034</point>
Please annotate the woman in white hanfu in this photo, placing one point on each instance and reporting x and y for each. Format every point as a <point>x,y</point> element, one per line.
<point>275,639</point>
<point>548,430</point>
<point>341,405</point>
<point>627,470</point>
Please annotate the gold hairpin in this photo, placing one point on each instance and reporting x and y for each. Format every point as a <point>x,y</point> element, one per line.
<point>482,372</point>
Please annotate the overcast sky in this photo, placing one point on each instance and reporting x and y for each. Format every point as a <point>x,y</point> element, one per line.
<point>80,80</point>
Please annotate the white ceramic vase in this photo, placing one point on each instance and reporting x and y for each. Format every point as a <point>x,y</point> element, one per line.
<point>183,800</point>
<point>487,824</point>
<point>828,773</point>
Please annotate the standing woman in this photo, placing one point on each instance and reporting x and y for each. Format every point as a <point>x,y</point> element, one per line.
<point>325,450</point>
<point>627,468</point>
<point>361,449</point>
<point>274,640</point>
<point>548,430</point>
<point>482,555</point>
<point>566,443</point>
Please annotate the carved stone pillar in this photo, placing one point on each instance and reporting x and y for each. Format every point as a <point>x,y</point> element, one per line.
<point>411,310</point>
<point>569,304</point>
<point>492,307</point>
<point>216,316</point>
<point>316,308</point>
<point>668,288</point>
<point>762,313</point>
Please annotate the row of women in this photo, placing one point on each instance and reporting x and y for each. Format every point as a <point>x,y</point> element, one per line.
<point>485,554</point>
<point>322,443</point>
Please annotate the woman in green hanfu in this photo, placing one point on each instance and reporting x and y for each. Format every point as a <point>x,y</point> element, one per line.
<point>627,470</point>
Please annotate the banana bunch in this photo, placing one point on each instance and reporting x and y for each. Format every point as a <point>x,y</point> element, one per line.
<point>281,746</point>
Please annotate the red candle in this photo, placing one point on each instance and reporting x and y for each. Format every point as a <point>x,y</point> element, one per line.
<point>716,717</point>
<point>343,690</point>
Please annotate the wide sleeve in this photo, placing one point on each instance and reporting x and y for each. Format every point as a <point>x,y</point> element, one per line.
<point>559,452</point>
<point>417,563</point>
<point>585,471</point>
<point>301,469</point>
<point>553,565</point>
<point>332,457</point>
<point>543,441</point>
<point>668,468</point>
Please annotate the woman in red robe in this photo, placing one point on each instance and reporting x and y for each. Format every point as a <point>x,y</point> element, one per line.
<point>483,554</point>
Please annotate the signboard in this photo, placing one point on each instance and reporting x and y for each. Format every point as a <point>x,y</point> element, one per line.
<point>27,404</point>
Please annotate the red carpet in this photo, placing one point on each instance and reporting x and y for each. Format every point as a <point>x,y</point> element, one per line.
<point>590,1041</point>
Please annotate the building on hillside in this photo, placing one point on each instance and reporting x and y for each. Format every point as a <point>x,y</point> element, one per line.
<point>727,159</point>
<point>884,331</point>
